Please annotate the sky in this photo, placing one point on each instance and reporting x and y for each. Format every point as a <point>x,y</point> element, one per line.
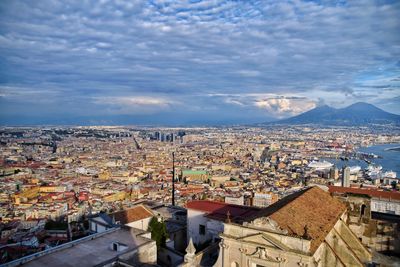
<point>193,62</point>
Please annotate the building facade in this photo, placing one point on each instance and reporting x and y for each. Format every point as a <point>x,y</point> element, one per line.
<point>205,221</point>
<point>306,228</point>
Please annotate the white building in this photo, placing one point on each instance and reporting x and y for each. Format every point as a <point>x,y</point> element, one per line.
<point>381,201</point>
<point>234,200</point>
<point>137,217</point>
<point>206,218</point>
<point>264,199</point>
<point>100,223</point>
<point>346,177</point>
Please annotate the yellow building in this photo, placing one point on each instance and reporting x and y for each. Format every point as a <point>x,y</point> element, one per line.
<point>105,175</point>
<point>27,195</point>
<point>115,197</point>
<point>52,189</point>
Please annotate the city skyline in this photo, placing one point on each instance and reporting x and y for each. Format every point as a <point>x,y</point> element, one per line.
<point>103,195</point>
<point>194,62</point>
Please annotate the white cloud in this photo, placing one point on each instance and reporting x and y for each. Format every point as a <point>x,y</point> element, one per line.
<point>253,55</point>
<point>282,107</point>
<point>134,101</point>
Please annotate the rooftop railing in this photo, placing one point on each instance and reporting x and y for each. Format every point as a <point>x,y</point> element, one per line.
<point>36,255</point>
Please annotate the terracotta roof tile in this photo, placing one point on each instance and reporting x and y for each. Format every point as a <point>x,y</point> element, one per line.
<point>366,191</point>
<point>310,213</point>
<point>218,210</point>
<point>131,215</point>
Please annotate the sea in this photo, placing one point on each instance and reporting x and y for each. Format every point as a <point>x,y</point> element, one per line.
<point>390,160</point>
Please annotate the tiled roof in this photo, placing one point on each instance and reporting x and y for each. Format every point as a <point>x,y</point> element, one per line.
<point>310,213</point>
<point>366,191</point>
<point>218,210</point>
<point>131,215</point>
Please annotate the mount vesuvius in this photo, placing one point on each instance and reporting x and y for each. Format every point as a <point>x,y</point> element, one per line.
<point>357,114</point>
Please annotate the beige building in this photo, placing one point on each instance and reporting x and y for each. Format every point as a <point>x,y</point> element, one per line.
<point>372,216</point>
<point>264,199</point>
<point>306,228</point>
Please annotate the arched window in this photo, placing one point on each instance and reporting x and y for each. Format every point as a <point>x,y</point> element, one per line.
<point>234,264</point>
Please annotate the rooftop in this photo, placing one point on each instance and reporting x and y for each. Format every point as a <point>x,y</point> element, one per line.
<point>365,191</point>
<point>92,250</point>
<point>218,210</point>
<point>310,214</point>
<point>131,215</point>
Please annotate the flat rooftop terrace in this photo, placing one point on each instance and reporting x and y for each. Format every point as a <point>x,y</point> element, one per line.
<point>89,251</point>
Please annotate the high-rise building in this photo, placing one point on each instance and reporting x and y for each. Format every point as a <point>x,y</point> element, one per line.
<point>157,135</point>
<point>346,177</point>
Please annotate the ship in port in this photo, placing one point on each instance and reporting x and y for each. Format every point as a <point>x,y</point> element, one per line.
<point>390,174</point>
<point>354,169</point>
<point>320,165</point>
<point>374,171</point>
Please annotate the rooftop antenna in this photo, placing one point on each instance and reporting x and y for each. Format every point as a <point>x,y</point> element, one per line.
<point>173,178</point>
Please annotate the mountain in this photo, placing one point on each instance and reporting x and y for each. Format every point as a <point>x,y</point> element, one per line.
<point>356,114</point>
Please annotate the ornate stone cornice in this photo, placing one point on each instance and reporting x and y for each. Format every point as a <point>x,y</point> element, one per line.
<point>261,253</point>
<point>267,224</point>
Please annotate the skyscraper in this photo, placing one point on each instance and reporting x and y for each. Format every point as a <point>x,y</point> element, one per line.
<point>157,135</point>
<point>346,177</point>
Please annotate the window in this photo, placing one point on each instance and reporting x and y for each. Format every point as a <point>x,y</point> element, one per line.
<point>362,210</point>
<point>202,229</point>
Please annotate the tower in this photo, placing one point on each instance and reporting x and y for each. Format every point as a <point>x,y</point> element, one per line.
<point>173,178</point>
<point>346,177</point>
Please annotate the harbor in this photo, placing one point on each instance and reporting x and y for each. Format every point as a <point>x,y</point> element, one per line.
<point>384,157</point>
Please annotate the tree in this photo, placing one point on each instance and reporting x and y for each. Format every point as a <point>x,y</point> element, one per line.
<point>158,231</point>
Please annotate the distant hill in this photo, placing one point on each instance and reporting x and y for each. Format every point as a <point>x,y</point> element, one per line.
<point>357,114</point>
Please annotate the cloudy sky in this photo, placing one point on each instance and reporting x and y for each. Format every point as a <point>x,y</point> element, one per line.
<point>194,62</point>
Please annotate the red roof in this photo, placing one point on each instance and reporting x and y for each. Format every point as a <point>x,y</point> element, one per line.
<point>366,191</point>
<point>219,210</point>
<point>132,215</point>
<point>310,214</point>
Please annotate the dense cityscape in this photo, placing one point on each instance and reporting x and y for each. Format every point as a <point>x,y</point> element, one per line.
<point>200,133</point>
<point>57,180</point>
